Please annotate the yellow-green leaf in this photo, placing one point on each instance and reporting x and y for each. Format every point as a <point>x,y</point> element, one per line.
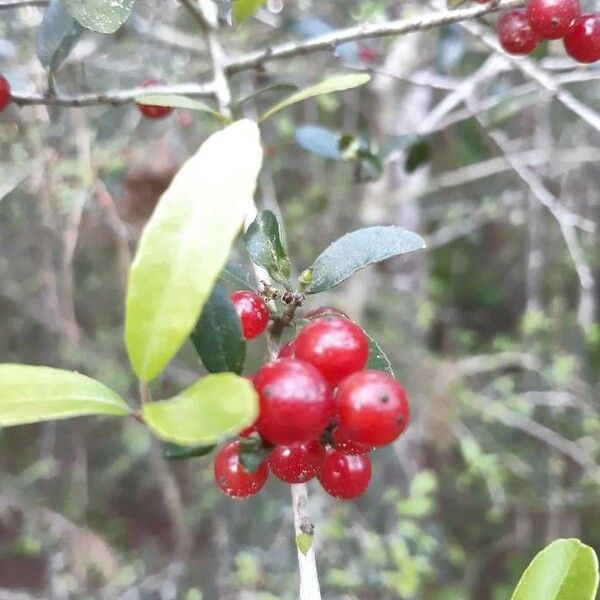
<point>186,243</point>
<point>244,9</point>
<point>31,394</point>
<point>335,83</point>
<point>214,407</point>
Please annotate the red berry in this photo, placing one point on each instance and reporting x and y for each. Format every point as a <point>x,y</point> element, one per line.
<point>582,41</point>
<point>551,19</point>
<point>343,443</point>
<point>325,310</point>
<point>4,93</point>
<point>336,346</point>
<point>288,350</point>
<point>231,476</point>
<point>295,401</point>
<point>252,311</point>
<point>372,407</point>
<point>150,111</point>
<point>344,476</point>
<point>515,33</point>
<point>297,463</point>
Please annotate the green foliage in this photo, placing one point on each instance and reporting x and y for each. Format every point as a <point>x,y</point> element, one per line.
<point>564,570</point>
<point>377,358</point>
<point>177,452</point>
<point>253,452</point>
<point>103,16</point>
<point>356,250</point>
<point>244,9</point>
<point>218,335</point>
<point>176,101</point>
<point>185,245</point>
<point>263,242</point>
<point>31,394</point>
<point>335,83</point>
<point>214,407</point>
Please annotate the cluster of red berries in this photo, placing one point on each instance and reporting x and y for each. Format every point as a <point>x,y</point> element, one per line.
<point>321,411</point>
<point>520,30</point>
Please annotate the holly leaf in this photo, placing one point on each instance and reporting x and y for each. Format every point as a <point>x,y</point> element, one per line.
<point>218,335</point>
<point>103,16</point>
<point>564,570</point>
<point>215,407</point>
<point>31,394</point>
<point>263,242</point>
<point>185,245</point>
<point>356,250</point>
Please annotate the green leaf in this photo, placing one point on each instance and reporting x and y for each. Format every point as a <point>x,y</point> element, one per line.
<point>304,542</point>
<point>176,101</point>
<point>177,452</point>
<point>263,242</point>
<point>358,249</point>
<point>31,394</point>
<point>565,570</point>
<point>377,358</point>
<point>235,274</point>
<point>218,335</point>
<point>253,452</point>
<point>103,16</point>
<point>214,407</point>
<point>244,9</point>
<point>275,87</point>
<point>335,83</point>
<point>57,36</point>
<point>418,154</point>
<point>454,3</point>
<point>186,244</point>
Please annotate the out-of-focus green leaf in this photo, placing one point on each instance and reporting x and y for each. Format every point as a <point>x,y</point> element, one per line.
<point>103,16</point>
<point>31,394</point>
<point>567,569</point>
<point>176,452</point>
<point>377,358</point>
<point>186,243</point>
<point>275,87</point>
<point>57,36</point>
<point>214,407</point>
<point>176,101</point>
<point>335,83</point>
<point>253,452</point>
<point>263,242</point>
<point>218,335</point>
<point>244,9</point>
<point>418,154</point>
<point>358,249</point>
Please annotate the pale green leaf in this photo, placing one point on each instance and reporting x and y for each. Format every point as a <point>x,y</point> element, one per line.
<point>216,406</point>
<point>103,16</point>
<point>30,394</point>
<point>186,243</point>
<point>565,570</point>
<point>335,83</point>
<point>176,101</point>
<point>244,9</point>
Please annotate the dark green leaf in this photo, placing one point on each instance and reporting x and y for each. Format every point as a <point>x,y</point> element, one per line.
<point>218,335</point>
<point>103,16</point>
<point>263,242</point>
<point>253,452</point>
<point>57,36</point>
<point>369,165</point>
<point>377,358</point>
<point>176,452</point>
<point>358,249</point>
<point>418,154</point>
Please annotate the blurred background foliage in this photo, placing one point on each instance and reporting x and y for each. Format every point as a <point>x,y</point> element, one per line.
<point>493,330</point>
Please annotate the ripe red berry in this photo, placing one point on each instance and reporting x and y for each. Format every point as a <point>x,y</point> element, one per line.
<point>372,407</point>
<point>288,350</point>
<point>344,476</point>
<point>4,93</point>
<point>551,19</point>
<point>515,33</point>
<point>582,41</point>
<point>325,310</point>
<point>231,476</point>
<point>295,401</point>
<point>336,346</point>
<point>297,463</point>
<point>150,111</point>
<point>343,443</point>
<point>252,311</point>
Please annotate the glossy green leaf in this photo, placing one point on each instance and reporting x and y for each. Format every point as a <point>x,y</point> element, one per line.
<point>176,101</point>
<point>263,242</point>
<point>31,394</point>
<point>244,9</point>
<point>177,452</point>
<point>57,35</point>
<point>335,83</point>
<point>214,407</point>
<point>377,358</point>
<point>186,244</point>
<point>358,249</point>
<point>218,335</point>
<point>565,570</point>
<point>103,16</point>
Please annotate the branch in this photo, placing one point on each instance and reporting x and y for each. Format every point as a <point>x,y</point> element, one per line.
<point>329,41</point>
<point>22,3</point>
